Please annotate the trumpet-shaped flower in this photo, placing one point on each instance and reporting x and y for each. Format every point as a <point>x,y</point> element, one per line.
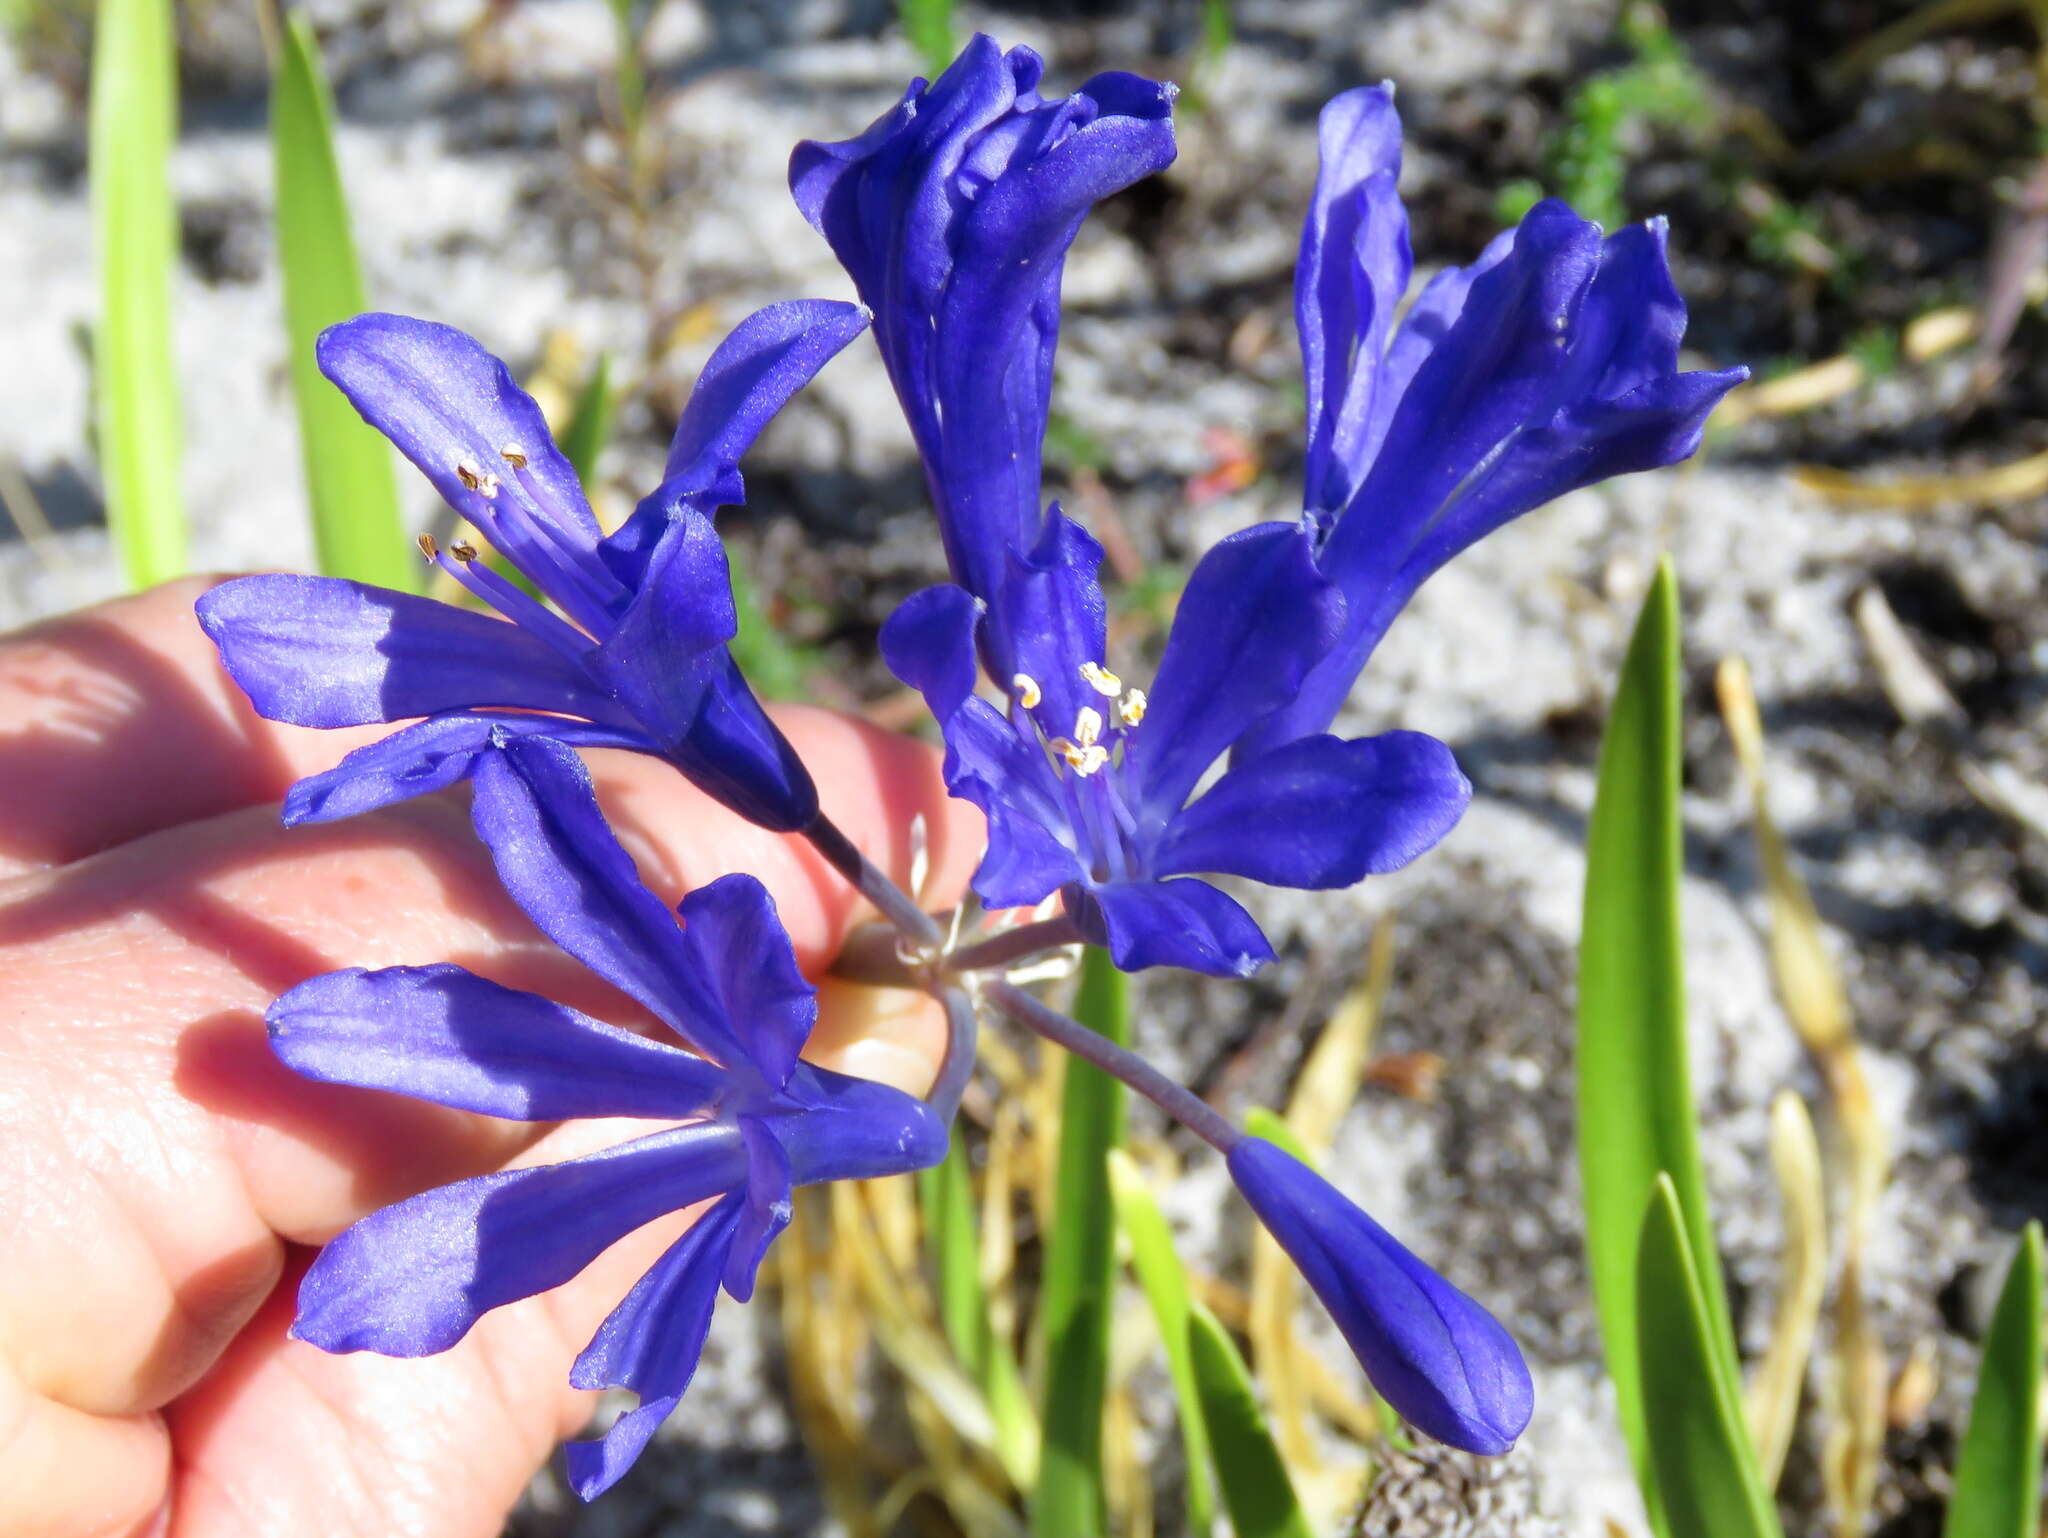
<point>1547,365</point>
<point>1087,784</point>
<point>755,1121</point>
<point>1437,1357</point>
<point>953,214</point>
<point>633,655</point>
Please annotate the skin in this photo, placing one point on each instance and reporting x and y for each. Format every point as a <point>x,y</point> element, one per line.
<point>163,1178</point>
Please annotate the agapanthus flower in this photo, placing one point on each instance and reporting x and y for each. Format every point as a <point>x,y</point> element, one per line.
<point>756,1121</point>
<point>953,214</point>
<point>1086,782</point>
<point>632,655</point>
<point>1437,1357</point>
<point>1547,365</point>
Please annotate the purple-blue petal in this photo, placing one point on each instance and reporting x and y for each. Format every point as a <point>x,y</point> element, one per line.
<point>737,940</point>
<point>536,811</point>
<point>1348,283</point>
<point>836,1127</point>
<point>928,643</point>
<point>768,357</point>
<point>669,668</point>
<point>651,1344</point>
<point>1255,617</point>
<point>1178,923</point>
<point>953,214</point>
<point>449,406</point>
<point>321,651</point>
<point>443,1034</point>
<point>1031,842</point>
<point>410,1280</point>
<point>1049,619</point>
<point>766,1210</point>
<point>1437,1357</point>
<point>430,755</point>
<point>1320,812</point>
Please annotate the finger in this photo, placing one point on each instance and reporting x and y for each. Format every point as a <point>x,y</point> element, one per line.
<point>146,1092</point>
<point>119,720</point>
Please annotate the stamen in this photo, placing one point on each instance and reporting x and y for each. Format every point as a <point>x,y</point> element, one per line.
<point>463,551</point>
<point>1132,707</point>
<point>1083,758</point>
<point>480,481</point>
<point>1025,687</point>
<point>428,548</point>
<point>1101,680</point>
<point>1088,726</point>
<point>513,455</point>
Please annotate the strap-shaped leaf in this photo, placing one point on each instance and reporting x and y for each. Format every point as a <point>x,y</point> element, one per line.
<point>1701,1458</point>
<point>1998,1471</point>
<point>1256,1490</point>
<point>1080,1271</point>
<point>1166,1288</point>
<point>1636,1117</point>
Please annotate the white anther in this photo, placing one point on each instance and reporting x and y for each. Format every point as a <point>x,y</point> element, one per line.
<point>513,455</point>
<point>479,481</point>
<point>1132,707</point>
<point>1088,726</point>
<point>1025,687</point>
<point>1083,758</point>
<point>1101,680</point>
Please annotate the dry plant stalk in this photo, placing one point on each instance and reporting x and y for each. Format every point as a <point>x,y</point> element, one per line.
<point>1775,1387</point>
<point>1854,1382</point>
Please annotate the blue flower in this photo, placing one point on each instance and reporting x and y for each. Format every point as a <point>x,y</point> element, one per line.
<point>1548,364</point>
<point>1437,1357</point>
<point>412,1279</point>
<point>1086,784</point>
<point>953,214</point>
<point>634,653</point>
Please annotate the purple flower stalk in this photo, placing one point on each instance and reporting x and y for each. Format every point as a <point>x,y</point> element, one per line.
<point>634,653</point>
<point>953,213</point>
<point>1437,1357</point>
<point>1547,365</point>
<point>1086,783</point>
<point>412,1279</point>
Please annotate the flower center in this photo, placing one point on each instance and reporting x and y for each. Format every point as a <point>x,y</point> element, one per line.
<point>1083,749</point>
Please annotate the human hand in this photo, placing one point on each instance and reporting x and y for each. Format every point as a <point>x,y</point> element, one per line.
<point>162,1175</point>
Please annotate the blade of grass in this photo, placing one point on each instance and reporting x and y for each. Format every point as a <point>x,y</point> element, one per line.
<point>1165,1282</point>
<point>1080,1271</point>
<point>1998,1470</point>
<point>133,121</point>
<point>1705,1469</point>
<point>929,26</point>
<point>590,420</point>
<point>1635,1112</point>
<point>1256,1489</point>
<point>357,529</point>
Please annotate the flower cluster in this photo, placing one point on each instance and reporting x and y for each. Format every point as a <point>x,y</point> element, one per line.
<point>1549,363</point>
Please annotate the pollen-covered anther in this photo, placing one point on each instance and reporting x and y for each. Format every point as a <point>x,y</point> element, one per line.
<point>1132,707</point>
<point>513,455</point>
<point>1084,758</point>
<point>480,481</point>
<point>463,551</point>
<point>428,548</point>
<point>1025,687</point>
<point>1088,726</point>
<point>1101,680</point>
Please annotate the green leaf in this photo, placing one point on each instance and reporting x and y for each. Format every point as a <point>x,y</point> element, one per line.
<point>1272,1126</point>
<point>1998,1471</point>
<point>357,529</point>
<point>1256,1490</point>
<point>929,26</point>
<point>1166,1288</point>
<point>628,78</point>
<point>1080,1271</point>
<point>946,1195</point>
<point>135,245</point>
<point>1635,1111</point>
<point>1703,1461</point>
<point>590,420</point>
